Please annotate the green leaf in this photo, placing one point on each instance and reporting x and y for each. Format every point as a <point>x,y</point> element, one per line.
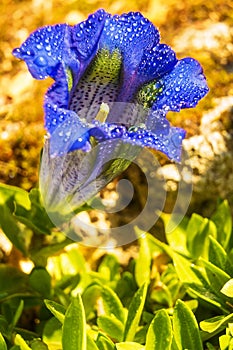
<point>223,221</point>
<point>225,342</point>
<point>18,194</point>
<point>143,262</point>
<point>216,276</point>
<point>210,346</point>
<point>74,326</point>
<point>56,309</point>
<point>129,346</point>
<point>11,229</point>
<point>111,326</point>
<point>215,323</point>
<point>37,344</point>
<point>197,230</point>
<point>176,234</point>
<point>104,343</point>
<point>112,304</point>
<point>17,313</point>
<point>184,269</point>
<point>40,280</point>
<point>227,289</point>
<point>2,343</point>
<point>186,332</point>
<point>21,342</point>
<point>104,299</point>
<point>134,314</point>
<point>52,333</point>
<point>36,217</point>
<point>109,268</point>
<point>217,254</point>
<point>15,281</point>
<point>91,345</point>
<point>159,335</point>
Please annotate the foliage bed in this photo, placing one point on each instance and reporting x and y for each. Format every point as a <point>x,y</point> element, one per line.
<point>173,295</point>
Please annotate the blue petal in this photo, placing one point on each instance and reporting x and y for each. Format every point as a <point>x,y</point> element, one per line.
<point>67,131</point>
<point>183,87</point>
<point>86,35</point>
<point>156,134</point>
<point>43,49</point>
<point>130,31</point>
<point>131,34</point>
<point>74,47</point>
<point>57,95</point>
<point>156,62</point>
<point>165,139</point>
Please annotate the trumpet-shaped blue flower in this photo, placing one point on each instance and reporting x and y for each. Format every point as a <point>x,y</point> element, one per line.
<point>114,84</point>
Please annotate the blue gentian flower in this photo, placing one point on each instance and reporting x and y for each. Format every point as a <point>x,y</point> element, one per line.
<point>114,84</point>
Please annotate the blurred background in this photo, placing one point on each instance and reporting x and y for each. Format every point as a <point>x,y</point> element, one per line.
<point>197,28</point>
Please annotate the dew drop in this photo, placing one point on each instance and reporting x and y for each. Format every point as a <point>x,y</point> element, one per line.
<point>39,46</point>
<point>41,61</point>
<point>176,139</point>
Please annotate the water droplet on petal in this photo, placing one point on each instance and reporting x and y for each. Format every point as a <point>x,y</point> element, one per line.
<point>176,139</point>
<point>39,46</point>
<point>41,61</point>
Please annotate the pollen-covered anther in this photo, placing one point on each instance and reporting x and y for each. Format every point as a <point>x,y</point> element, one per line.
<point>103,112</point>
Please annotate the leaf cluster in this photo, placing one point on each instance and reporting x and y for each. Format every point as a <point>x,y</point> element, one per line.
<point>173,296</point>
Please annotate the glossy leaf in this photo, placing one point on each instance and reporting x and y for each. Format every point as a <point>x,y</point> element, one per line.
<point>216,276</point>
<point>129,346</point>
<point>10,227</point>
<point>74,326</point>
<point>17,313</point>
<point>225,342</point>
<point>112,304</point>
<point>104,343</point>
<point>143,262</point>
<point>186,332</point>
<point>111,326</point>
<point>91,345</point>
<point>52,333</point>
<point>217,255</point>
<point>36,217</point>
<point>227,289</point>
<point>197,230</point>
<point>37,344</point>
<point>159,335</point>
<point>134,314</point>
<point>223,220</point>
<point>184,270</point>
<point>21,342</point>
<point>56,309</point>
<point>18,194</point>
<point>2,343</point>
<point>40,280</point>
<point>215,323</point>
<point>109,268</point>
<point>176,234</point>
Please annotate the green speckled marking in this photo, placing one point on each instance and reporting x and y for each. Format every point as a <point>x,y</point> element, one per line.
<point>69,78</point>
<point>99,84</point>
<point>106,66</point>
<point>148,93</point>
